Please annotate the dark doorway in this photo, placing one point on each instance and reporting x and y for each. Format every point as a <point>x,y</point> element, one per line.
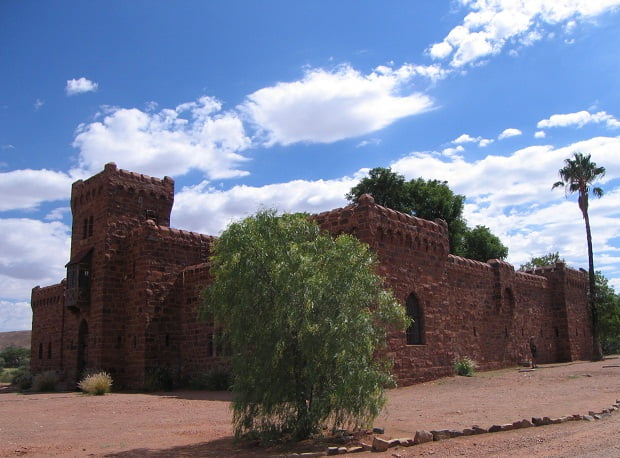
<point>415,332</point>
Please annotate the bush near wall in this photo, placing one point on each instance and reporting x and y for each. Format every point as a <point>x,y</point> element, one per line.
<point>98,383</point>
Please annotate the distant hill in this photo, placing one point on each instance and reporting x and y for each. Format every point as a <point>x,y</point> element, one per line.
<point>15,338</point>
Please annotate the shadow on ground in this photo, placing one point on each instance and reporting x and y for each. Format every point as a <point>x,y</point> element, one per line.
<point>222,447</point>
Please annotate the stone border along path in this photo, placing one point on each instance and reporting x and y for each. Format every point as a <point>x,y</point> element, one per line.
<point>422,436</point>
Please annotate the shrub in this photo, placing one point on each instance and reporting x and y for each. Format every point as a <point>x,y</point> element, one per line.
<point>22,379</point>
<point>214,380</point>
<point>15,356</point>
<point>98,383</point>
<point>164,378</point>
<point>6,375</point>
<point>45,381</point>
<point>464,366</point>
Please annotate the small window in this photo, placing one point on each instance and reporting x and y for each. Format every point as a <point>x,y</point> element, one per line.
<point>415,334</point>
<point>40,350</point>
<point>151,214</point>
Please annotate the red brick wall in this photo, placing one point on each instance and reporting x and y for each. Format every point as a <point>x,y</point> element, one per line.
<point>146,282</point>
<point>484,311</point>
<point>47,328</point>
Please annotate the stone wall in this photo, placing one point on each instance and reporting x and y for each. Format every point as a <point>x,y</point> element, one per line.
<point>145,280</point>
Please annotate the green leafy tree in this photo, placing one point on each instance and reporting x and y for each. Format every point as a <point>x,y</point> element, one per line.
<point>608,303</point>
<point>305,316</point>
<point>480,244</point>
<point>15,356</point>
<point>548,259</point>
<point>434,199</point>
<point>427,199</point>
<point>578,176</point>
<point>389,189</point>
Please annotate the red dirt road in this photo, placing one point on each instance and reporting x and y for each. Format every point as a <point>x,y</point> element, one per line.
<point>198,423</point>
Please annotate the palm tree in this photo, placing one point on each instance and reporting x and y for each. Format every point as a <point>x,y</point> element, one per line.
<point>577,175</point>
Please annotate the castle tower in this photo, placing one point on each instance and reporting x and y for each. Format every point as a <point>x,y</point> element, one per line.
<point>105,209</point>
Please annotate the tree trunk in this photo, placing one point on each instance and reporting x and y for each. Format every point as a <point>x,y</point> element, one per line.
<point>597,351</point>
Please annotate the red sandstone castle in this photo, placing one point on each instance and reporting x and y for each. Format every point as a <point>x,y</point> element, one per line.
<point>129,302</point>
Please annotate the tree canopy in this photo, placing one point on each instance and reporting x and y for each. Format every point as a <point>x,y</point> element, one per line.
<point>480,244</point>
<point>608,303</point>
<point>304,315</point>
<point>548,259</point>
<point>430,199</point>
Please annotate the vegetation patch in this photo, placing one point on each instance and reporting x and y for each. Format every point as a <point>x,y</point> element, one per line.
<point>311,366</point>
<point>464,366</point>
<point>45,381</point>
<point>98,383</point>
<point>215,380</point>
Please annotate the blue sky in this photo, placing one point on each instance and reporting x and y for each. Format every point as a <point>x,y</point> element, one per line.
<point>284,104</point>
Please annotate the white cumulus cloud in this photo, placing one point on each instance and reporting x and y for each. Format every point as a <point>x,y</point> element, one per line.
<point>510,132</point>
<point>466,138</point>
<point>32,253</point>
<point>491,25</point>
<point>194,135</point>
<point>15,316</point>
<point>208,210</point>
<point>327,106</point>
<point>80,86</point>
<point>579,119</point>
<point>27,188</point>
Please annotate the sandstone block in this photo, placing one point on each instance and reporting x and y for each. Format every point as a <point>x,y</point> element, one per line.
<point>422,436</point>
<point>380,445</point>
<point>441,434</point>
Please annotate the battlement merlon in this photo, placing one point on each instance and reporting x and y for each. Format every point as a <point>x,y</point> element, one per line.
<point>149,197</point>
<point>380,217</point>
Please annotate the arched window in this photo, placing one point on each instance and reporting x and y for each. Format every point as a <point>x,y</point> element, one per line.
<point>415,332</point>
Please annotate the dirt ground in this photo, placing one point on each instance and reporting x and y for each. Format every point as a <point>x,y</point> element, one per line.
<point>190,423</point>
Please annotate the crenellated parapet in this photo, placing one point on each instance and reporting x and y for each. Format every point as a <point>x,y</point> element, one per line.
<point>460,263</point>
<point>383,227</point>
<point>48,295</point>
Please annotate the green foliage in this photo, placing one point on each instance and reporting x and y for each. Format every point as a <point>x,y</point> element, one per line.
<point>548,259</point>
<point>15,356</point>
<point>464,366</point>
<point>429,199</point>
<point>608,303</point>
<point>481,245</point>
<point>22,379</point>
<point>389,189</point>
<point>215,380</point>
<point>433,199</point>
<point>162,378</point>
<point>97,383</point>
<point>305,315</point>
<point>577,175</point>
<point>45,381</point>
<point>6,375</point>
